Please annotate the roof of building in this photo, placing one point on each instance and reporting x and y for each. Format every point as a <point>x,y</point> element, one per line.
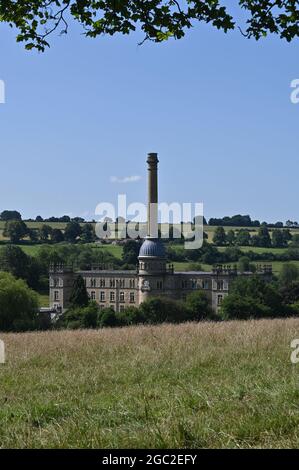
<point>152,247</point>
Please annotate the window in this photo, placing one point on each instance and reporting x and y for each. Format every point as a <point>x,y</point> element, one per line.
<point>121,296</point>
<point>112,307</point>
<point>102,307</point>
<point>93,295</point>
<point>159,285</point>
<point>121,283</point>
<point>219,285</point>
<point>102,283</point>
<point>194,284</point>
<point>102,296</point>
<point>219,300</point>
<point>112,296</point>
<point>93,282</point>
<point>57,282</point>
<point>122,308</point>
<point>132,297</point>
<point>132,283</point>
<point>56,295</point>
<point>205,284</point>
<point>184,284</point>
<point>112,283</point>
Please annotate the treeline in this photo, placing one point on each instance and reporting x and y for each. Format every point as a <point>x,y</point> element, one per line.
<point>237,220</point>
<point>243,237</point>
<point>209,254</point>
<point>35,269</point>
<point>17,230</point>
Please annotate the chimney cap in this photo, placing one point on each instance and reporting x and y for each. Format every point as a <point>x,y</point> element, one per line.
<point>152,157</point>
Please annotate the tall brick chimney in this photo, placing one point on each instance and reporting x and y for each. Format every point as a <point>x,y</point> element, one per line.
<point>152,212</point>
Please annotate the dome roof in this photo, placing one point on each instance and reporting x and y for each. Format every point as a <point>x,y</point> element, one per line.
<point>152,247</point>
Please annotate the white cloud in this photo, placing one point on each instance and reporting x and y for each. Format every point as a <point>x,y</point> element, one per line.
<point>125,179</point>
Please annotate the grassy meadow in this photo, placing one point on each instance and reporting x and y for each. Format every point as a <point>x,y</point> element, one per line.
<point>206,385</point>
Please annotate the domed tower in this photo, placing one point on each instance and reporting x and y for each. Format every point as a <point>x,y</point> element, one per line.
<point>152,256</point>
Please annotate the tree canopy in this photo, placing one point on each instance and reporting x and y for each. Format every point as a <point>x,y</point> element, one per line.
<point>36,20</point>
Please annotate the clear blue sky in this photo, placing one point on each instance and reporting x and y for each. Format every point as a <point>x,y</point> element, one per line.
<point>215,107</point>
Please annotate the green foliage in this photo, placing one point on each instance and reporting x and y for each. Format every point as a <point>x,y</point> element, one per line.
<point>87,233</point>
<point>10,215</point>
<point>18,305</point>
<point>44,232</point>
<point>130,252</point>
<point>72,231</point>
<point>15,230</point>
<point>219,237</point>
<point>288,274</point>
<point>252,297</point>
<point>57,236</point>
<point>79,296</point>
<point>198,306</point>
<point>163,310</point>
<point>80,317</point>
<point>36,21</point>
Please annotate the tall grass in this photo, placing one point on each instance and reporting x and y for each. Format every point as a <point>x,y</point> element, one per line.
<point>193,385</point>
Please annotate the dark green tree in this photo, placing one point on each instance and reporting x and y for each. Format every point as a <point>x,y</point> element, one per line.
<point>57,236</point>
<point>45,232</point>
<point>243,238</point>
<point>198,306</point>
<point>231,238</point>
<point>87,233</point>
<point>278,239</point>
<point>264,239</point>
<point>10,215</point>
<point>131,251</point>
<point>72,231</point>
<point>15,230</point>
<point>79,296</point>
<point>219,237</point>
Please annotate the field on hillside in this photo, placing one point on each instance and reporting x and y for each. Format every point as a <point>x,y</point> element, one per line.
<point>204,385</point>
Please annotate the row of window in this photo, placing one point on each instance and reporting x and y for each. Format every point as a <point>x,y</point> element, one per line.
<point>112,283</point>
<point>195,284</point>
<point>112,296</point>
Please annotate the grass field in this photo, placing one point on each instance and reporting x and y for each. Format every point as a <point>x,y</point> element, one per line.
<point>205,385</point>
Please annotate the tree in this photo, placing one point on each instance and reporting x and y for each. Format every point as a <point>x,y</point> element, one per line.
<point>18,305</point>
<point>243,238</point>
<point>39,218</point>
<point>15,230</point>
<point>72,231</point>
<point>35,21</point>
<point>44,233</point>
<point>57,236</point>
<point>81,317</point>
<point>131,252</point>
<point>160,310</point>
<point>87,233</point>
<point>244,264</point>
<point>288,274</point>
<point>279,239</point>
<point>252,297</point>
<point>231,237</point>
<point>10,215</point>
<point>198,306</point>
<point>219,237</point>
<point>79,296</point>
<point>33,235</point>
<point>264,239</point>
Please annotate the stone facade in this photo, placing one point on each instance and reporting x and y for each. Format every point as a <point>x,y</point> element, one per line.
<point>152,278</point>
<point>122,289</point>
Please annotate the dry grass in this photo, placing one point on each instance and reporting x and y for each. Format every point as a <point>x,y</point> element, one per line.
<point>193,385</point>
